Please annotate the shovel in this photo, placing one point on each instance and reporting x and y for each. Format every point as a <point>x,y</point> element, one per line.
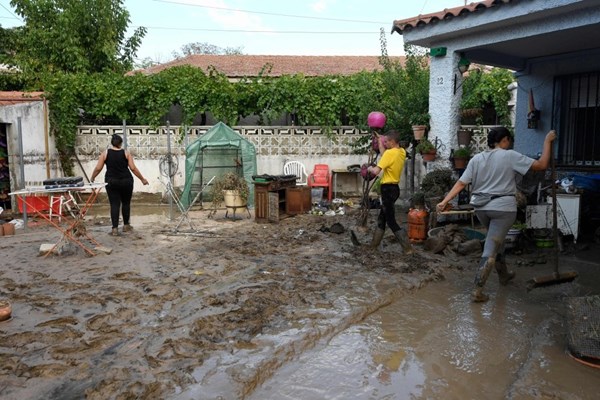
<point>557,277</point>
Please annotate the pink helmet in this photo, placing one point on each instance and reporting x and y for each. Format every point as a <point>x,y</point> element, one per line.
<point>376,119</point>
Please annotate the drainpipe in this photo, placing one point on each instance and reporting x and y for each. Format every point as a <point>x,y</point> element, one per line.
<point>22,168</point>
<point>46,139</point>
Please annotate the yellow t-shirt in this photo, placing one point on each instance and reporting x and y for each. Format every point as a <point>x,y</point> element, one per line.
<point>392,163</point>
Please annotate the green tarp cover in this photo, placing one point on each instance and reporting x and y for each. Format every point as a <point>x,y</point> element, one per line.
<point>219,141</point>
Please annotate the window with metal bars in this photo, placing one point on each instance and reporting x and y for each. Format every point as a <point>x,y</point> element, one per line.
<point>577,101</point>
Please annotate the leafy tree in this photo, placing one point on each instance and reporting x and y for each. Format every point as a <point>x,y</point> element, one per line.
<point>74,36</point>
<point>488,88</point>
<point>207,48</point>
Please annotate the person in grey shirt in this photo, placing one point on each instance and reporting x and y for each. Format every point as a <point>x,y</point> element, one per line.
<point>492,177</point>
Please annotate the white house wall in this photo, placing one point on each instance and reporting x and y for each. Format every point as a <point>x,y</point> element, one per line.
<point>33,131</point>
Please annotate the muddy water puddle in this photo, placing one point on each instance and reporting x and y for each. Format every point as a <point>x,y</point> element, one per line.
<point>435,344</point>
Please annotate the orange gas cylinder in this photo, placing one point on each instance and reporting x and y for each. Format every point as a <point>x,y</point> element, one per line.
<point>418,219</point>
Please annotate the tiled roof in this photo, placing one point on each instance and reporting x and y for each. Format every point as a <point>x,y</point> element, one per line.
<point>9,98</point>
<point>448,13</point>
<point>238,66</point>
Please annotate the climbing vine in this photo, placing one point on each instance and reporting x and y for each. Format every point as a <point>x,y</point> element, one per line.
<point>399,90</point>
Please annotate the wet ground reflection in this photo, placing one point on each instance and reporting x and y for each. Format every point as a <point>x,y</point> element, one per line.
<point>436,344</point>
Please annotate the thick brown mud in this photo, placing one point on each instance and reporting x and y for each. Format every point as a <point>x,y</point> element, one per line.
<point>166,313</point>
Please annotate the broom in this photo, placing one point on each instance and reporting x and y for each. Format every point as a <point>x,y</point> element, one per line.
<point>556,278</point>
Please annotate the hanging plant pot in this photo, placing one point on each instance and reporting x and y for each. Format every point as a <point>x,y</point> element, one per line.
<point>464,137</point>
<point>460,162</point>
<point>419,131</point>
<point>429,155</point>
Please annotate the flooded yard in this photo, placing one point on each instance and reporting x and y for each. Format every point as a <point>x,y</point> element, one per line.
<point>275,311</point>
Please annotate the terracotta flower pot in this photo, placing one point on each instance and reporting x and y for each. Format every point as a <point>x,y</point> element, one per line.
<point>464,137</point>
<point>419,131</point>
<point>460,162</point>
<point>429,156</point>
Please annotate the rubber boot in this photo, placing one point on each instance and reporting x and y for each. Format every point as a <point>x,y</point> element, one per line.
<point>504,275</point>
<point>483,272</point>
<point>404,241</point>
<point>377,237</point>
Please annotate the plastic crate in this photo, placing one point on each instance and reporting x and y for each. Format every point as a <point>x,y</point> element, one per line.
<point>38,204</point>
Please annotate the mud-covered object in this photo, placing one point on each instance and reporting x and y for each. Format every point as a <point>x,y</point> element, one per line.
<point>436,244</point>
<point>469,247</point>
<point>335,228</point>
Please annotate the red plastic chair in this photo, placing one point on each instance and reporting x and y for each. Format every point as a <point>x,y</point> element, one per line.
<point>321,177</point>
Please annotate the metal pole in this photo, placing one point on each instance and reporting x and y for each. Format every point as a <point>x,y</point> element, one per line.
<point>22,169</point>
<point>169,169</point>
<point>124,134</point>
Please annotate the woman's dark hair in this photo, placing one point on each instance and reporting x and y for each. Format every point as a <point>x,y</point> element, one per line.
<point>116,140</point>
<point>495,135</point>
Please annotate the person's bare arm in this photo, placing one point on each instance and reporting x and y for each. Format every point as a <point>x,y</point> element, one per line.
<point>374,170</point>
<point>456,189</point>
<point>544,161</point>
<point>99,166</point>
<point>134,169</point>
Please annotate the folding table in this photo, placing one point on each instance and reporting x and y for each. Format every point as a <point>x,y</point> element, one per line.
<point>73,225</point>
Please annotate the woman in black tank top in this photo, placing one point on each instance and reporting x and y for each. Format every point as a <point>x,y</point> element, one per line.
<point>119,166</point>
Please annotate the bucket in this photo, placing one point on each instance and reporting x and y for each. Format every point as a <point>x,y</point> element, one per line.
<point>316,195</point>
<point>8,229</point>
<point>511,239</point>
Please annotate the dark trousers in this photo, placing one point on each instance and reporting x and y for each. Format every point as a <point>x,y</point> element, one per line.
<point>119,196</point>
<point>387,215</point>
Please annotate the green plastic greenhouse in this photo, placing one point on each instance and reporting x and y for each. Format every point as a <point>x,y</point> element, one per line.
<point>219,151</point>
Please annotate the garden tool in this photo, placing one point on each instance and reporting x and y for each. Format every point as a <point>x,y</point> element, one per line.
<point>557,277</point>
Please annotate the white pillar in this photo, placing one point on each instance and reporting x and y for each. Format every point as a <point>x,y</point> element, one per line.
<point>444,103</point>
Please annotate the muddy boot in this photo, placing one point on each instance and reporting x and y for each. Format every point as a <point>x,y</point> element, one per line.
<point>115,232</point>
<point>504,275</point>
<point>404,241</point>
<point>354,239</point>
<point>485,267</point>
<point>127,228</point>
<point>377,237</point>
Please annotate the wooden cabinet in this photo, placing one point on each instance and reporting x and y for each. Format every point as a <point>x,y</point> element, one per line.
<point>297,200</point>
<point>270,200</point>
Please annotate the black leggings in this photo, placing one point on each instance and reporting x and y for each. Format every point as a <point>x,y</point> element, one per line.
<point>389,194</point>
<point>119,196</point>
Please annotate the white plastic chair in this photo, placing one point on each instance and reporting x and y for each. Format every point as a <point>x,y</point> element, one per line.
<point>296,168</point>
<point>61,203</point>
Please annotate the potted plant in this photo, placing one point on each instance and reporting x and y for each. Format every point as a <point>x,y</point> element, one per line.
<point>231,189</point>
<point>436,184</point>
<point>461,157</point>
<point>427,150</point>
<point>419,124</point>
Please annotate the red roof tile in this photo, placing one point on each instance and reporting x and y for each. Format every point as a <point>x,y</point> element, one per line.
<point>9,98</point>
<point>238,66</point>
<point>420,20</point>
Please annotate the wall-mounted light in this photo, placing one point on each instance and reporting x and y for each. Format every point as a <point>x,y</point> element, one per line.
<point>463,66</point>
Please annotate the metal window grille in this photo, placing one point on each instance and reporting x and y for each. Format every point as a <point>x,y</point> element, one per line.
<point>577,112</point>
